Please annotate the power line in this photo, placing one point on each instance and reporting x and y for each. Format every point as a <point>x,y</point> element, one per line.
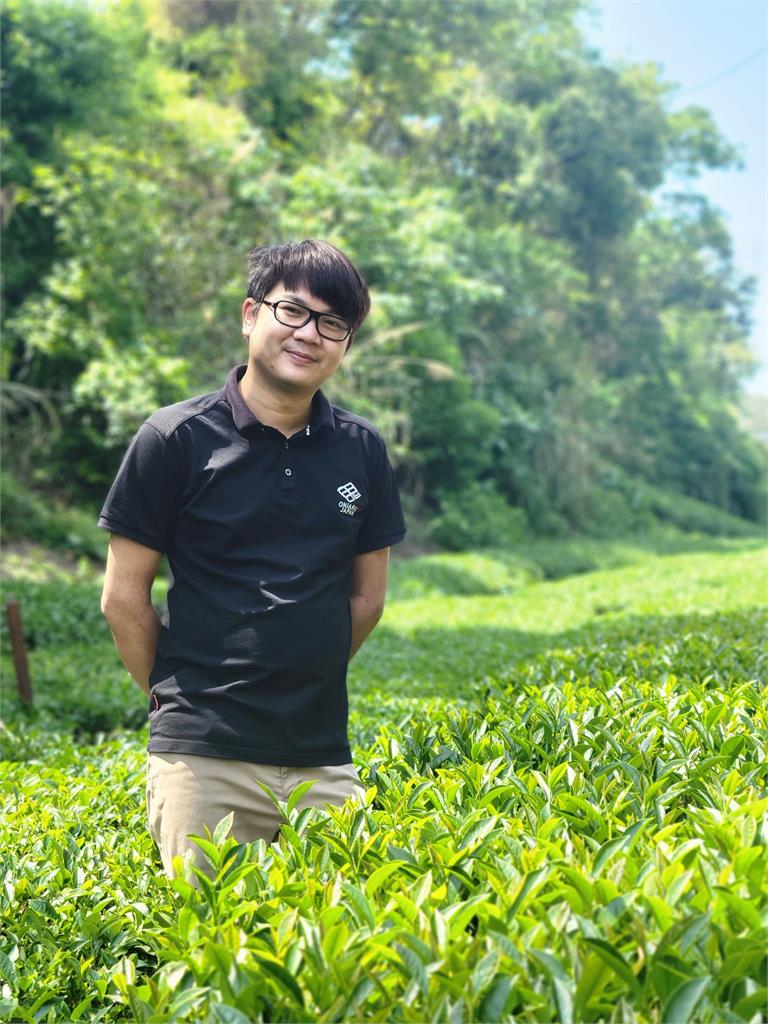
<point>727,72</point>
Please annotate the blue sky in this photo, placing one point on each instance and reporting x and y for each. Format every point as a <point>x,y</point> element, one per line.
<point>717,54</point>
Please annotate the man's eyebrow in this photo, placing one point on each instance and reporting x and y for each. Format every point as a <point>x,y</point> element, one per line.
<point>301,302</point>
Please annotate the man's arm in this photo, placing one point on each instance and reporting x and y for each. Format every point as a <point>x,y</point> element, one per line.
<point>366,599</point>
<point>126,604</point>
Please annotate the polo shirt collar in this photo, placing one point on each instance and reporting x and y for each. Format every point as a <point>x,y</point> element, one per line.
<point>321,414</point>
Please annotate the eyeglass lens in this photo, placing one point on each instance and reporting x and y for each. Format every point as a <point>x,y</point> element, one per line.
<point>330,327</point>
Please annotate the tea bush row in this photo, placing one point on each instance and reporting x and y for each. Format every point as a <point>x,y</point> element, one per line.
<point>564,818</point>
<point>592,850</point>
<point>434,645</point>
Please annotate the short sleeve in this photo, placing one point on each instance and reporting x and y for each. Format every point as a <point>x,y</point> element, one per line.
<point>384,523</point>
<point>144,497</point>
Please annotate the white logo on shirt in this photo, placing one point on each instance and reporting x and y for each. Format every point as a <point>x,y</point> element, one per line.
<point>349,492</point>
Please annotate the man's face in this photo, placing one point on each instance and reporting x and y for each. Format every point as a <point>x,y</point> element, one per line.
<point>289,359</point>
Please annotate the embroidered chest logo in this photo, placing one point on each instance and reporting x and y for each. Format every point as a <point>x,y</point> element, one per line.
<point>350,494</point>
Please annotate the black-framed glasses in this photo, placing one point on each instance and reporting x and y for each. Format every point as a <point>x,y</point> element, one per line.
<point>293,314</point>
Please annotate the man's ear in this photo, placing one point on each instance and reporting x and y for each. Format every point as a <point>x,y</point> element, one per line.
<point>250,307</point>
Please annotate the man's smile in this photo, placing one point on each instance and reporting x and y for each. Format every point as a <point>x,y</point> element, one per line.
<point>300,357</point>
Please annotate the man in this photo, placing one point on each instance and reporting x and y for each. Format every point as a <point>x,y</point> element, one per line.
<point>276,511</point>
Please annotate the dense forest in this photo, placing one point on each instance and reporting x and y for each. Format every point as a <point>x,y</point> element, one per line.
<point>557,344</point>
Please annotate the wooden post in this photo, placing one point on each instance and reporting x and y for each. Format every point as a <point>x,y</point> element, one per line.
<point>19,647</point>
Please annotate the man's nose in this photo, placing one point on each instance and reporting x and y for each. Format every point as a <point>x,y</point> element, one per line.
<point>308,332</point>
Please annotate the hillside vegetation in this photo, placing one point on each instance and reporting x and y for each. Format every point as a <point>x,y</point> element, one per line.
<point>558,339</point>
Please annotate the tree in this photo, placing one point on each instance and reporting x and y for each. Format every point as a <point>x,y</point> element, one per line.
<point>148,250</point>
<point>541,324</point>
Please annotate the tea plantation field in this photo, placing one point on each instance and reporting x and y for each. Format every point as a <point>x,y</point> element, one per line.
<point>566,814</point>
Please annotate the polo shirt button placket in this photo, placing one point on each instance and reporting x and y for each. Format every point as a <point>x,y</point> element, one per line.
<point>288,486</point>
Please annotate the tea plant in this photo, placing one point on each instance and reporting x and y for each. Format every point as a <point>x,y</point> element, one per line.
<point>573,826</point>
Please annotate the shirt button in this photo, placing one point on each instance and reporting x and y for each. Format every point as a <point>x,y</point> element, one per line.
<point>287,472</point>
<point>285,445</point>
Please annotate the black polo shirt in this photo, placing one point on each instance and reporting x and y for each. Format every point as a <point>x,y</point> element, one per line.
<point>261,534</point>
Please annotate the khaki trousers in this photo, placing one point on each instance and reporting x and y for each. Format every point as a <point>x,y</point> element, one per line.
<point>187,791</point>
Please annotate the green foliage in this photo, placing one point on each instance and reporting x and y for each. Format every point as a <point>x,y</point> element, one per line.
<point>77,899</point>
<point>572,831</point>
<point>539,319</point>
<point>556,559</point>
<point>696,516</point>
<point>61,73</point>
<point>440,575</point>
<point>622,504</point>
<point>503,571</point>
<point>451,643</point>
<point>79,683</point>
<point>27,515</point>
<point>479,515</point>
<point>135,201</point>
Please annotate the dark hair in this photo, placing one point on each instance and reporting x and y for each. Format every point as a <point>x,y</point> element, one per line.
<point>313,264</point>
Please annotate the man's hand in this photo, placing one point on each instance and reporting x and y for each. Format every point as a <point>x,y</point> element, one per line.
<point>127,607</point>
<point>366,599</point>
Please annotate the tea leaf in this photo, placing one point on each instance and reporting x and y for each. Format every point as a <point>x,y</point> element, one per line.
<point>223,829</point>
<point>681,1005</point>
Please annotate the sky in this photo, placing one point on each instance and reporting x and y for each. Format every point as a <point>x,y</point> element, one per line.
<point>716,51</point>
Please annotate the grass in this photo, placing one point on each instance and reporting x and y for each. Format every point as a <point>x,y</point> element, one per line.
<point>567,781</point>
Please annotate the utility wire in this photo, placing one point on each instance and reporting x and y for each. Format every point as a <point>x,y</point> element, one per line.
<point>727,72</point>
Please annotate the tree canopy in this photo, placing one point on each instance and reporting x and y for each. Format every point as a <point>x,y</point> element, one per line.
<point>550,334</point>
